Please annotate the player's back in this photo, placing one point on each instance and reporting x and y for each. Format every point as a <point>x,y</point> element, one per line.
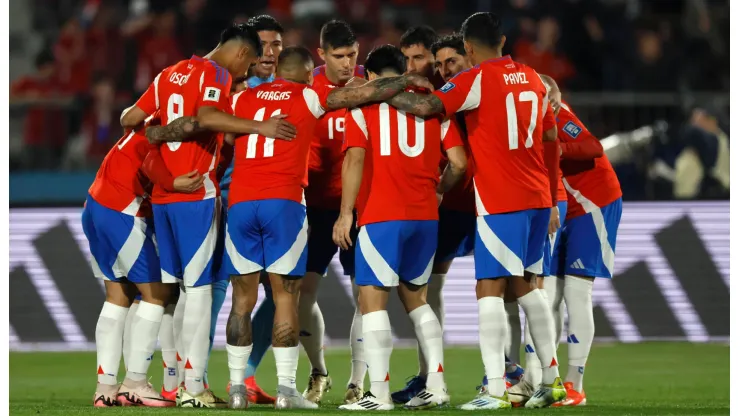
<point>401,163</point>
<point>265,168</point>
<point>119,183</point>
<point>506,102</point>
<point>181,90</point>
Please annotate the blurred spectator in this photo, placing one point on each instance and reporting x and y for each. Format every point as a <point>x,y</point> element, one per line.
<point>100,127</point>
<point>654,70</point>
<point>543,54</point>
<point>105,45</point>
<point>73,67</point>
<point>158,48</point>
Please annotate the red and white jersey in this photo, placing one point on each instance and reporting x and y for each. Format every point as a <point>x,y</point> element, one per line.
<point>401,170</point>
<point>265,168</point>
<point>181,90</point>
<point>119,184</point>
<point>506,112</point>
<point>325,163</point>
<point>588,182</point>
<point>462,196</point>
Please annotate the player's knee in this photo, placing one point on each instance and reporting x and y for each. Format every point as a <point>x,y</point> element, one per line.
<point>119,294</point>
<point>412,296</point>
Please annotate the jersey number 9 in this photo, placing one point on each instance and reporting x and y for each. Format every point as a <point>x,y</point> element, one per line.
<point>175,105</point>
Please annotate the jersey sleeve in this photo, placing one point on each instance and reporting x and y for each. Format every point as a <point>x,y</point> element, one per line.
<point>548,121</point>
<point>450,134</point>
<point>461,93</point>
<point>215,85</point>
<point>149,101</point>
<point>355,130</point>
<point>315,98</point>
<point>154,168</point>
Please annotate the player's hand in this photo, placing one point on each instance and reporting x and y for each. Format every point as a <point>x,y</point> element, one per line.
<point>554,224</point>
<point>556,101</point>
<point>278,128</point>
<point>418,81</point>
<point>189,182</point>
<point>342,229</point>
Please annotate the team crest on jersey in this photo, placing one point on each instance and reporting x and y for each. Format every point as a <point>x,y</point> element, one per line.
<point>211,94</point>
<point>445,88</point>
<point>572,129</point>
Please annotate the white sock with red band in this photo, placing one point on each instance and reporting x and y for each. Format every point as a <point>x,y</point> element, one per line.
<point>429,335</point>
<point>492,329</point>
<point>376,329</point>
<point>109,342</point>
<point>578,298</point>
<point>541,327</point>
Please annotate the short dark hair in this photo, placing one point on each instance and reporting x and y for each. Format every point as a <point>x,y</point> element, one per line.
<point>44,57</point>
<point>245,33</point>
<point>483,28</point>
<point>337,34</point>
<point>295,55</point>
<point>385,58</point>
<point>419,35</point>
<point>453,41</point>
<point>266,22</point>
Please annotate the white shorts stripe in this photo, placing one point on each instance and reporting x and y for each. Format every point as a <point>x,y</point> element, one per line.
<point>424,277</point>
<point>377,263</point>
<point>499,250</point>
<point>242,264</point>
<point>536,268</point>
<point>288,261</point>
<point>129,253</point>
<point>195,267</point>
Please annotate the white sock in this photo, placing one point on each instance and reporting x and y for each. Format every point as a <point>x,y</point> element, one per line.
<point>237,361</point>
<point>532,366</point>
<point>109,342</point>
<point>491,336</point>
<point>376,330</point>
<point>144,330</point>
<point>169,351</point>
<point>553,288</point>
<point>429,335</point>
<point>196,326</point>
<point>127,338</point>
<point>435,300</point>
<point>286,361</point>
<point>311,321</point>
<point>514,334</point>
<point>177,320</point>
<point>541,327</point>
<point>580,327</point>
<point>357,349</point>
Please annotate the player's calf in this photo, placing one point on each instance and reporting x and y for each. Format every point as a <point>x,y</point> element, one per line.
<point>239,335</point>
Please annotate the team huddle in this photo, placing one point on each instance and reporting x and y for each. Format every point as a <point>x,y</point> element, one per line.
<point>252,166</point>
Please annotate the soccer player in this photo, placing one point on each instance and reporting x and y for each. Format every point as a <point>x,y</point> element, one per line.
<point>117,223</point>
<point>509,161</point>
<point>195,93</point>
<point>271,37</point>
<point>588,241</point>
<point>338,50</point>
<point>456,235</point>
<point>267,225</point>
<point>416,45</point>
<point>398,187</point>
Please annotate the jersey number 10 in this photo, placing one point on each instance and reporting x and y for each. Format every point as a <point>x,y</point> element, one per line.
<point>269,148</point>
<point>512,120</point>
<point>402,130</point>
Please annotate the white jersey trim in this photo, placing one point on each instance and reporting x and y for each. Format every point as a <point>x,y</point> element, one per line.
<point>156,90</point>
<point>472,101</point>
<point>359,119</point>
<point>313,102</point>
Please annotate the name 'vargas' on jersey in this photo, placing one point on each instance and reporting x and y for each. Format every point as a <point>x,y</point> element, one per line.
<point>508,154</point>
<point>182,90</point>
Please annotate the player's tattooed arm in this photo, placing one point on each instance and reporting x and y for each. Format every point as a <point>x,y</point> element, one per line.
<point>421,105</point>
<point>455,170</point>
<point>177,131</point>
<point>379,89</point>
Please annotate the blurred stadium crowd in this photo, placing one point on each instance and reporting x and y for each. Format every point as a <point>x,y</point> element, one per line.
<point>624,64</point>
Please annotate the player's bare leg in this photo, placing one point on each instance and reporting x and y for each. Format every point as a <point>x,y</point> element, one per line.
<point>239,335</point>
<point>378,340</point>
<point>312,337</point>
<point>109,341</point>
<point>285,293</point>
<point>577,293</point>
<point>136,390</point>
<point>358,371</point>
<point>429,335</point>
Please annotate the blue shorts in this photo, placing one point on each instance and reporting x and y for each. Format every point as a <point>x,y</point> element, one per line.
<point>456,236</point>
<point>321,247</point>
<point>553,241</point>
<point>588,242</point>
<point>395,250</point>
<point>269,235</point>
<point>508,244</point>
<point>187,234</point>
<point>121,245</point>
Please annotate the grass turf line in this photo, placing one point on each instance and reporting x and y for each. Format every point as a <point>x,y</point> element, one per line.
<point>621,379</point>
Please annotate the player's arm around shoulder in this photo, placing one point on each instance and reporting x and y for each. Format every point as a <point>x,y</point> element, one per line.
<point>380,89</point>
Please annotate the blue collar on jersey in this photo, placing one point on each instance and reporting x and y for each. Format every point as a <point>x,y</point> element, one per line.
<point>256,81</point>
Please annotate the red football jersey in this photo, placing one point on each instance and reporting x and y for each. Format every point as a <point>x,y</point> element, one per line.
<point>325,162</point>
<point>587,182</point>
<point>510,172</point>
<point>462,196</point>
<point>182,89</point>
<point>119,183</point>
<point>265,168</point>
<point>401,170</point>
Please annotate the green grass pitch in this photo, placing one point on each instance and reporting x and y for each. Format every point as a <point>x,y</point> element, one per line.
<point>621,379</point>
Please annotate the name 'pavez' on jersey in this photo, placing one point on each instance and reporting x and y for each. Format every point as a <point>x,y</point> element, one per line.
<point>180,90</point>
<point>510,172</point>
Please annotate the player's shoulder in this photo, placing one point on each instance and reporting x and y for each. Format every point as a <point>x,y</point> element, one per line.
<point>463,76</point>
<point>360,71</point>
<point>319,73</point>
<point>212,69</point>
